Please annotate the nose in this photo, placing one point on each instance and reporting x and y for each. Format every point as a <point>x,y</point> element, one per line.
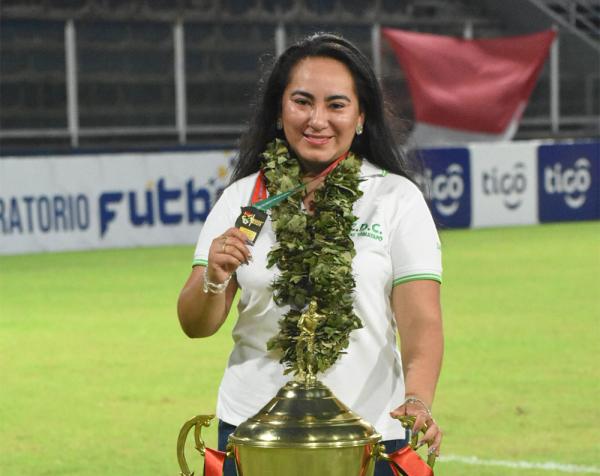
<point>318,118</point>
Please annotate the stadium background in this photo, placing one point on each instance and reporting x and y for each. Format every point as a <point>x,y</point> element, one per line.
<point>93,383</point>
<point>125,54</point>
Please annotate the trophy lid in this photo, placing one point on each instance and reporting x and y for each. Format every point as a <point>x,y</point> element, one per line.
<point>304,415</point>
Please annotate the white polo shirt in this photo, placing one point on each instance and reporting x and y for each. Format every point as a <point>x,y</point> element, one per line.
<point>395,240</point>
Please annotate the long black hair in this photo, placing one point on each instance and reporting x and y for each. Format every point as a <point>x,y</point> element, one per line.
<point>376,143</point>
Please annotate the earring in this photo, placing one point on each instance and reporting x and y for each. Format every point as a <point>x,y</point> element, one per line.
<point>279,124</point>
<point>359,129</point>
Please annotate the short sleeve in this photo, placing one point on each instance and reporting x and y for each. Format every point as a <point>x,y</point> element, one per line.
<point>414,243</point>
<point>221,217</point>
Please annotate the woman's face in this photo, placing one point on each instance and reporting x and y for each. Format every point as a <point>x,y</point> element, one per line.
<point>320,111</point>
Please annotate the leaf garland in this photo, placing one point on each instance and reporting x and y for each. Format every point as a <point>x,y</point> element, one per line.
<point>314,256</point>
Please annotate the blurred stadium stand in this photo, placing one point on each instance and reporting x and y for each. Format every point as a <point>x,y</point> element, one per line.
<point>125,54</point>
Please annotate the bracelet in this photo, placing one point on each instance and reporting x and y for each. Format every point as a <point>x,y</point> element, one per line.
<point>413,399</point>
<point>214,288</point>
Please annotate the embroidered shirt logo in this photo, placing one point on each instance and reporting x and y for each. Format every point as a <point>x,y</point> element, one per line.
<point>367,230</point>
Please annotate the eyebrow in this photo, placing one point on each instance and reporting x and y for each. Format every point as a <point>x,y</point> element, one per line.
<point>333,97</point>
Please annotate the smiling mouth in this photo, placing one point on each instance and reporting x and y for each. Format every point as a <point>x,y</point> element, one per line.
<point>316,140</point>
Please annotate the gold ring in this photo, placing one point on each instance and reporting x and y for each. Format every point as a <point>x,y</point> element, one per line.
<point>224,245</point>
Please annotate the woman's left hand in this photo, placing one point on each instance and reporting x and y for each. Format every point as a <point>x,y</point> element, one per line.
<point>423,421</point>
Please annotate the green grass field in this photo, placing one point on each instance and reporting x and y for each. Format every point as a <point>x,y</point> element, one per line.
<point>97,377</point>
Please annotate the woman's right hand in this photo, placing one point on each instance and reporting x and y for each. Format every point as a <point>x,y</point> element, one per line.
<point>227,252</point>
<point>202,313</point>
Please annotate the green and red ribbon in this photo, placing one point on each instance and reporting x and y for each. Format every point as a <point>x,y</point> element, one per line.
<point>260,199</point>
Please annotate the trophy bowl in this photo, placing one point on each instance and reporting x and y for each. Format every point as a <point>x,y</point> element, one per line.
<point>303,430</point>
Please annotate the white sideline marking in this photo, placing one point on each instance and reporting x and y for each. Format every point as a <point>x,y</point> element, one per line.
<point>548,465</point>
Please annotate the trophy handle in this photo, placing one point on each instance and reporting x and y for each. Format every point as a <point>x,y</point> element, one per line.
<point>197,423</point>
<point>407,421</point>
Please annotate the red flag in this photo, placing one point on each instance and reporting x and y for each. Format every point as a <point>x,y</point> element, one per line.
<point>472,85</point>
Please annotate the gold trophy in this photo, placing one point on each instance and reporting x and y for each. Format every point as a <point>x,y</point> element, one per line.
<point>303,431</point>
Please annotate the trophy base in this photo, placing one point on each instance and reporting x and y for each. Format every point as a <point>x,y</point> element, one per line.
<point>349,461</point>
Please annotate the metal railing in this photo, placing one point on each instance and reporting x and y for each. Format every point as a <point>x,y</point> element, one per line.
<point>580,17</point>
<point>181,129</point>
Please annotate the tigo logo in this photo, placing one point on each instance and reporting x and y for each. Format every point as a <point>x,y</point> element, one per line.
<point>446,189</point>
<point>511,185</point>
<point>573,182</point>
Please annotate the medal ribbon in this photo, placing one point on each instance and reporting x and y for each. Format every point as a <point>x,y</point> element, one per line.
<point>259,194</point>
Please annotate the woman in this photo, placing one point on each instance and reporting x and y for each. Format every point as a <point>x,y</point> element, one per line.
<point>322,100</point>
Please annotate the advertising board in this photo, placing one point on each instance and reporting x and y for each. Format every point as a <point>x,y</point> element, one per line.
<point>503,184</point>
<point>107,201</point>
<point>569,182</point>
<point>445,181</point>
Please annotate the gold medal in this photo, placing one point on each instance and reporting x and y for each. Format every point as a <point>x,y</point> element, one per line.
<point>250,222</point>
